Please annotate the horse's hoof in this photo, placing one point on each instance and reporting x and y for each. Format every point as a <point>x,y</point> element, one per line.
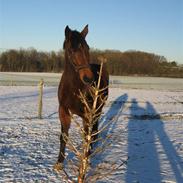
<point>58,166</point>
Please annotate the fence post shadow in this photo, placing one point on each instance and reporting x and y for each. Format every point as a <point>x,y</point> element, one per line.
<point>144,159</point>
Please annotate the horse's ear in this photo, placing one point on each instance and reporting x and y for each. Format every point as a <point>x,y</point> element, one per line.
<point>84,32</point>
<point>67,32</point>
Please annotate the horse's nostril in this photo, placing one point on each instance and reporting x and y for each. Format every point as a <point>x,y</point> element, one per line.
<point>87,80</point>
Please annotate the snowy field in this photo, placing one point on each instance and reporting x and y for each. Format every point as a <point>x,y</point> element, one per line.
<point>149,126</point>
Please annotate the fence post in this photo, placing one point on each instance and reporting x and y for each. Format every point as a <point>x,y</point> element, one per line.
<point>41,83</point>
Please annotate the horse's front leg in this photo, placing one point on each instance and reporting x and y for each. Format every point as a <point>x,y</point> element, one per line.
<point>86,133</point>
<point>65,120</point>
<point>94,132</point>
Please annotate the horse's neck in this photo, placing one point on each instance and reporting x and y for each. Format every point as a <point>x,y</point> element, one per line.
<point>71,75</point>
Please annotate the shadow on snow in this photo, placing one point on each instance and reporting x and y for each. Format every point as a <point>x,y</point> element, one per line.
<point>144,136</point>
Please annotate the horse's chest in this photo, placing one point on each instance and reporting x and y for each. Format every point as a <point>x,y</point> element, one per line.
<point>72,101</point>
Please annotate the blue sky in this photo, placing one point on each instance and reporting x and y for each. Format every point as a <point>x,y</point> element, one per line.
<point>147,25</point>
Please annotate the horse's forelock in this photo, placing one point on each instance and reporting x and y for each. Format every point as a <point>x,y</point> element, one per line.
<point>75,40</point>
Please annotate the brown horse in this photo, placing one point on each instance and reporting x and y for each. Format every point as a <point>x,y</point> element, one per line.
<point>78,75</point>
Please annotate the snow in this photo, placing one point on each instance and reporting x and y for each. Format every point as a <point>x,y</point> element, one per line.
<point>148,125</point>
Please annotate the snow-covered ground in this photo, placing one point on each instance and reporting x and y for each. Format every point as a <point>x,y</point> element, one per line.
<point>149,127</point>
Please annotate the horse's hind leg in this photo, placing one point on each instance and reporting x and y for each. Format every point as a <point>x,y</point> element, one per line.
<point>65,120</point>
<point>94,131</point>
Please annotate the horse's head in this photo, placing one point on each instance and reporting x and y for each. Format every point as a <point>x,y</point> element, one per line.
<point>77,51</point>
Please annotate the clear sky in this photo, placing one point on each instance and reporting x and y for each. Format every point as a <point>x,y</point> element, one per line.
<point>147,25</point>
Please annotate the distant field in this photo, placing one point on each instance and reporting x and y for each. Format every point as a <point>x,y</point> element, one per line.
<point>28,78</point>
<point>52,79</point>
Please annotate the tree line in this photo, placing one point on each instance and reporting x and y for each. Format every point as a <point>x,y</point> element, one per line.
<point>118,63</point>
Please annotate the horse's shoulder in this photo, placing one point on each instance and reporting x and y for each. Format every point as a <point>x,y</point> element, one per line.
<point>96,69</point>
